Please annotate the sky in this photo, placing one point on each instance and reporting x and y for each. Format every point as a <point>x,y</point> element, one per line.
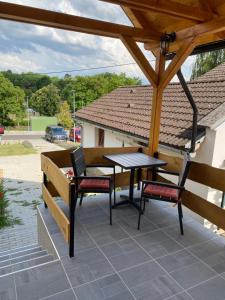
<point>29,48</point>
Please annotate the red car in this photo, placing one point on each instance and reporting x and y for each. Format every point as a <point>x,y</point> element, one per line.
<point>77,134</point>
<point>2,129</point>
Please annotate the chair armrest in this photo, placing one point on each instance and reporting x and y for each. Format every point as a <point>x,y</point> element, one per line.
<point>100,166</point>
<point>168,172</point>
<point>169,185</point>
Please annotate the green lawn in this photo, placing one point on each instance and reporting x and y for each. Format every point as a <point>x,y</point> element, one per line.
<point>15,149</point>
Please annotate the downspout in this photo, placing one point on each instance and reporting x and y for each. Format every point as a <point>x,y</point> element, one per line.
<point>194,108</point>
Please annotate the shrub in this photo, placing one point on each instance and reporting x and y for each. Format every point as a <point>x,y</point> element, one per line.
<point>5,218</point>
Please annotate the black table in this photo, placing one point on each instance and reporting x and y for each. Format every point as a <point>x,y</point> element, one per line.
<point>133,161</point>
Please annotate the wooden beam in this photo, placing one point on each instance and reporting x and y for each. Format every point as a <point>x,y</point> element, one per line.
<point>56,212</point>
<point>156,106</point>
<point>31,15</point>
<point>177,62</point>
<point>168,7</point>
<point>140,59</point>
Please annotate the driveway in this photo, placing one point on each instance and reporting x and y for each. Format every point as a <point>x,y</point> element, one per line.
<point>23,177</point>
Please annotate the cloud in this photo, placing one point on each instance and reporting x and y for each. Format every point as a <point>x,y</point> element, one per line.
<point>25,47</point>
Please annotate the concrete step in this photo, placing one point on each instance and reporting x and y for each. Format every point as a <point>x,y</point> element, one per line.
<point>16,251</point>
<point>28,264</point>
<point>22,257</point>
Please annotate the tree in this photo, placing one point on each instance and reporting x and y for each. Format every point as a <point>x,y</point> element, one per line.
<point>64,115</point>
<point>11,100</point>
<point>207,61</point>
<point>46,100</point>
<point>89,88</point>
<point>29,82</point>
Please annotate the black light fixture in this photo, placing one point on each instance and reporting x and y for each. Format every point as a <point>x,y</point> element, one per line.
<point>165,41</point>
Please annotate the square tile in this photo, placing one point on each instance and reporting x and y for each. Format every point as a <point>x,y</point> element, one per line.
<point>181,296</point>
<point>110,287</point>
<point>194,233</point>
<point>157,243</point>
<point>149,281</point>
<point>129,224</point>
<point>105,234</point>
<point>177,261</point>
<point>192,275</point>
<point>66,295</point>
<point>86,266</point>
<point>213,289</point>
<point>41,282</point>
<point>125,254</point>
<point>7,288</point>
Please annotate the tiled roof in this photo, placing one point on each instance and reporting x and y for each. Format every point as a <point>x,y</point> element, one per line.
<point>128,110</point>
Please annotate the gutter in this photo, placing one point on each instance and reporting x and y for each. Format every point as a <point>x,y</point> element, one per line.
<point>194,108</point>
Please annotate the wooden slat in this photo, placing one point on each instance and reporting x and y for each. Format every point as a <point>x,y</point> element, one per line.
<point>61,157</point>
<point>26,14</point>
<point>56,212</point>
<point>52,190</point>
<point>202,207</point>
<point>168,7</point>
<point>56,177</point>
<point>95,155</point>
<point>140,59</point>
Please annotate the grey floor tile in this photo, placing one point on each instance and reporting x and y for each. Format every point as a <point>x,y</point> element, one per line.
<point>194,233</point>
<point>125,254</point>
<point>7,288</point>
<point>149,281</point>
<point>213,289</point>
<point>157,243</point>
<point>177,260</point>
<point>129,224</point>
<point>102,219</point>
<point>105,234</point>
<point>110,287</point>
<point>41,282</point>
<point>182,296</point>
<point>192,275</point>
<point>66,295</point>
<point>212,253</point>
<point>86,266</point>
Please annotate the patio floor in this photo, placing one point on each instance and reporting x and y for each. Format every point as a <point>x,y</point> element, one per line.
<point>120,262</point>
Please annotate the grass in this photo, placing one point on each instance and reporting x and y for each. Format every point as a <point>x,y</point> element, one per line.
<point>15,149</point>
<point>33,203</point>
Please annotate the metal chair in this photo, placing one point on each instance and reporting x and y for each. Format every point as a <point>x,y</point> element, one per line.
<point>91,184</point>
<point>166,192</point>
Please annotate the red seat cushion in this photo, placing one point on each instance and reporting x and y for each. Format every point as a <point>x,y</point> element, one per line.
<point>161,191</point>
<point>94,184</point>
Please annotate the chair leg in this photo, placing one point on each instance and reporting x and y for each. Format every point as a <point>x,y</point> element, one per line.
<point>180,213</point>
<point>110,208</point>
<point>81,198</point>
<point>140,213</point>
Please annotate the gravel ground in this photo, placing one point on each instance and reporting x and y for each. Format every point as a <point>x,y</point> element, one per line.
<point>23,177</point>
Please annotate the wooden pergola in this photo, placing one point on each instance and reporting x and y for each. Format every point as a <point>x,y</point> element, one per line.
<point>195,24</point>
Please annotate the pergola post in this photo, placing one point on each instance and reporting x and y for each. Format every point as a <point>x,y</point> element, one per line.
<point>156,106</point>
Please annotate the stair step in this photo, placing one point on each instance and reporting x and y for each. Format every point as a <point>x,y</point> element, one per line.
<point>6,252</point>
<point>23,258</point>
<point>20,266</point>
<point>19,253</point>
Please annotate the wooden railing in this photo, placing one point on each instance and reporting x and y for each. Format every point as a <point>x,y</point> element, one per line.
<point>56,184</point>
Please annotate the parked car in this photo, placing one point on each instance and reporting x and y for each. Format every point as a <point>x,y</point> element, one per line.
<point>55,133</point>
<point>77,134</point>
<point>2,129</point>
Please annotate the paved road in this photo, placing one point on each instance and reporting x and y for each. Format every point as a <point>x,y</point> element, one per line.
<point>13,137</point>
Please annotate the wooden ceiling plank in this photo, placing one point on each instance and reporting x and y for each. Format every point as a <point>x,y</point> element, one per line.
<point>166,7</point>
<point>31,15</point>
<point>140,59</point>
